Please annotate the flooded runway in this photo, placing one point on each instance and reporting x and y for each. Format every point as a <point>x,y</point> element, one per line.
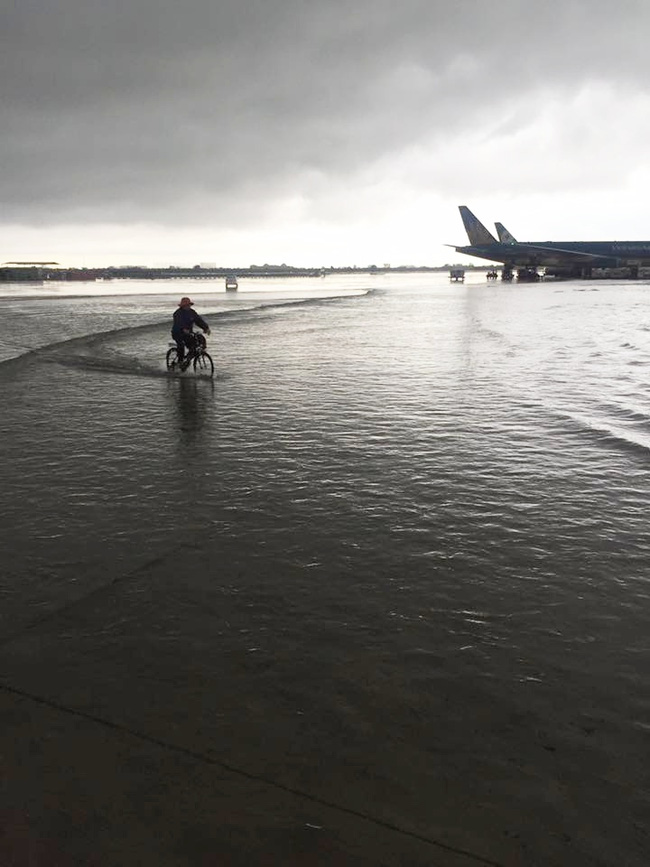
<point>394,557</point>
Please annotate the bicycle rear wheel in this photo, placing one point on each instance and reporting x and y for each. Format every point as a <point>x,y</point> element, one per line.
<point>203,364</point>
<point>171,358</point>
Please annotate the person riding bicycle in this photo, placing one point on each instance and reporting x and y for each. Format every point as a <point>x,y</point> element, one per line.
<point>184,319</point>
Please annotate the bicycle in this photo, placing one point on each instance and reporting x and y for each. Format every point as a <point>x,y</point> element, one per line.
<point>197,356</point>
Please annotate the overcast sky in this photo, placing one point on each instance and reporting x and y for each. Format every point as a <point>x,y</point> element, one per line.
<point>317,132</point>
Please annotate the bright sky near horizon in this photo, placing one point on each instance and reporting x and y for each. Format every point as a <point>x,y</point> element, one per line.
<point>318,133</point>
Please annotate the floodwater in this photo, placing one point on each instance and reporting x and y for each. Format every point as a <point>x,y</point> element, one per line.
<point>412,517</point>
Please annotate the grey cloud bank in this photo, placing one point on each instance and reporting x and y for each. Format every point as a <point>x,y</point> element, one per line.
<point>181,113</point>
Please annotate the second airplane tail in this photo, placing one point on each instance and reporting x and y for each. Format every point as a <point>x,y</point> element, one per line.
<point>504,235</point>
<point>476,232</point>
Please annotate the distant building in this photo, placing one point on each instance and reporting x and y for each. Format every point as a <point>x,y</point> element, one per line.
<point>24,272</point>
<point>21,274</point>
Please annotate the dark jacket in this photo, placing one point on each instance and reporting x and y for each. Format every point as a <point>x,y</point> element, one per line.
<point>185,318</point>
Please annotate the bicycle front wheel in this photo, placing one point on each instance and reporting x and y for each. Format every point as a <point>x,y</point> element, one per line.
<point>203,364</point>
<point>172,358</point>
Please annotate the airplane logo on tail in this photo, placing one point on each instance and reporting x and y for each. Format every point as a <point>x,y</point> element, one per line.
<point>476,231</point>
<point>504,235</point>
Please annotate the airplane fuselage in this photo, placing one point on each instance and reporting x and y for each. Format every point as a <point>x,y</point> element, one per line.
<point>573,255</point>
<point>597,254</point>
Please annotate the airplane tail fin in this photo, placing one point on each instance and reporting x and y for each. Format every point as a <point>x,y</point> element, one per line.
<point>504,235</point>
<point>476,232</point>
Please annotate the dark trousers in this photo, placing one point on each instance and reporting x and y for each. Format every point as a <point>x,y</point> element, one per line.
<point>183,339</point>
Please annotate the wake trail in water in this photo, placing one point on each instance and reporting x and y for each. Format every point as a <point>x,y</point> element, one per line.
<point>607,425</point>
<point>70,351</point>
<point>604,432</point>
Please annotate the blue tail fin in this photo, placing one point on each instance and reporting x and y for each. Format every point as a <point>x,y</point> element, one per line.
<point>504,235</point>
<point>476,232</point>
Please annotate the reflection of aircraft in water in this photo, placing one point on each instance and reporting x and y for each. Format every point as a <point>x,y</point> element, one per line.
<point>569,258</point>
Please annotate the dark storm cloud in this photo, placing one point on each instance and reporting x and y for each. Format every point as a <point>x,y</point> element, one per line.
<point>169,111</point>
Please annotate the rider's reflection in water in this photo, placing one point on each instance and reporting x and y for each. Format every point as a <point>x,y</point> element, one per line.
<point>191,399</point>
<point>190,402</point>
